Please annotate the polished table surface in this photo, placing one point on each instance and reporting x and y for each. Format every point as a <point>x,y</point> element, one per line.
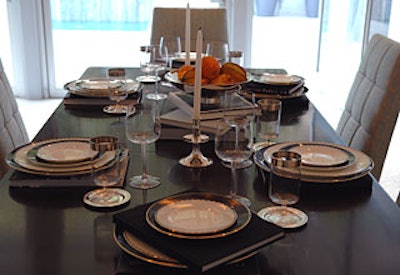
<point>352,228</point>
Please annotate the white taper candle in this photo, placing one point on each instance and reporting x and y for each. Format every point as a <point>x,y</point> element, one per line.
<point>197,79</point>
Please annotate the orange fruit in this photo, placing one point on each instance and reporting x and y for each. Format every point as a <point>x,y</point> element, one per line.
<point>210,67</point>
<point>222,79</point>
<point>182,70</point>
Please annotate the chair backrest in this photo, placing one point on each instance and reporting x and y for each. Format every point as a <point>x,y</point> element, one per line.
<point>373,103</point>
<point>12,128</point>
<point>170,22</point>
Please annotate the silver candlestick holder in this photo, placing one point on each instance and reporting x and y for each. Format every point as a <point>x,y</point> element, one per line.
<point>196,159</point>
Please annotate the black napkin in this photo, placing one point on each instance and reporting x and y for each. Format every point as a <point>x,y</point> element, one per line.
<point>200,254</point>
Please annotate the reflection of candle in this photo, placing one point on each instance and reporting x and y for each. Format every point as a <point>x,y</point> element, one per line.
<point>197,78</point>
<point>187,35</point>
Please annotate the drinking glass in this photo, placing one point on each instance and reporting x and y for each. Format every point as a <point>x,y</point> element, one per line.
<point>232,145</point>
<point>106,177</point>
<point>158,60</point>
<point>284,190</point>
<point>219,50</point>
<point>142,126</point>
<point>268,121</point>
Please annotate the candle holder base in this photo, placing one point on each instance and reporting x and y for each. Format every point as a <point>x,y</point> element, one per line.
<point>196,160</point>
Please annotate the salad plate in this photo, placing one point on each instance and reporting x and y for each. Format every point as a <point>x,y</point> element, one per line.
<point>98,87</point>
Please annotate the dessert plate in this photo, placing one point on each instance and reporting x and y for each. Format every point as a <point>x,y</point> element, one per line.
<point>228,221</point>
<point>119,197</point>
<point>324,155</point>
<point>195,216</point>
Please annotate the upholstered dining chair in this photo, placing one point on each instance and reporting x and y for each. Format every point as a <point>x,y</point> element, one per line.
<point>12,128</point>
<point>170,22</point>
<point>373,103</point>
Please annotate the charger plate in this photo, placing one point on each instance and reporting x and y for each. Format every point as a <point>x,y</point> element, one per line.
<point>21,159</point>
<point>355,168</point>
<point>141,250</point>
<point>242,214</point>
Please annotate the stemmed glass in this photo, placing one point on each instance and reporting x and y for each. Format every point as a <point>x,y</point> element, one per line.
<point>158,60</point>
<point>142,126</point>
<point>268,121</point>
<point>228,103</point>
<point>173,44</point>
<point>284,189</point>
<point>146,65</point>
<point>232,141</point>
<point>117,91</point>
<point>218,49</point>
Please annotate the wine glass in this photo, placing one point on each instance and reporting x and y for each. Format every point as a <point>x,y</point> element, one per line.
<point>146,65</point>
<point>228,102</point>
<point>142,126</point>
<point>117,91</point>
<point>268,121</point>
<point>219,50</point>
<point>284,190</point>
<point>173,44</point>
<point>158,60</point>
<point>232,141</point>
<point>109,176</point>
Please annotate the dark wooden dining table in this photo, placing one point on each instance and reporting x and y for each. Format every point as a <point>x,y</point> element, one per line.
<point>353,227</point>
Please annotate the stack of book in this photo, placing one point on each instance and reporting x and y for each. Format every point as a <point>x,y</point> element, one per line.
<point>209,113</point>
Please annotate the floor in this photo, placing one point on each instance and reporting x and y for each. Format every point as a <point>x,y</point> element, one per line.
<point>36,112</point>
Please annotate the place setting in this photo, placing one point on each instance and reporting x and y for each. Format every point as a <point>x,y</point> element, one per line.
<point>322,162</point>
<point>62,162</point>
<point>111,93</point>
<point>165,232</point>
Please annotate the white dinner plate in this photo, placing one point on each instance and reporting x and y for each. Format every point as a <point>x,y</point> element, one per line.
<point>178,225</point>
<point>66,152</point>
<point>355,168</point>
<point>278,79</point>
<point>195,216</point>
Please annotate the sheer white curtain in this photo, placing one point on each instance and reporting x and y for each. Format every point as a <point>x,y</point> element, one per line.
<point>28,48</point>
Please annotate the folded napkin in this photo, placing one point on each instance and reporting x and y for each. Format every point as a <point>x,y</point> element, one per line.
<point>200,254</point>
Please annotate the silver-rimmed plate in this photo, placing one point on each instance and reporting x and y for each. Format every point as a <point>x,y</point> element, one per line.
<point>196,216</point>
<point>324,156</point>
<point>299,218</point>
<point>278,79</point>
<point>243,215</point>
<point>66,151</point>
<point>98,87</point>
<point>358,168</point>
<point>172,77</point>
<point>117,197</point>
<point>141,250</point>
